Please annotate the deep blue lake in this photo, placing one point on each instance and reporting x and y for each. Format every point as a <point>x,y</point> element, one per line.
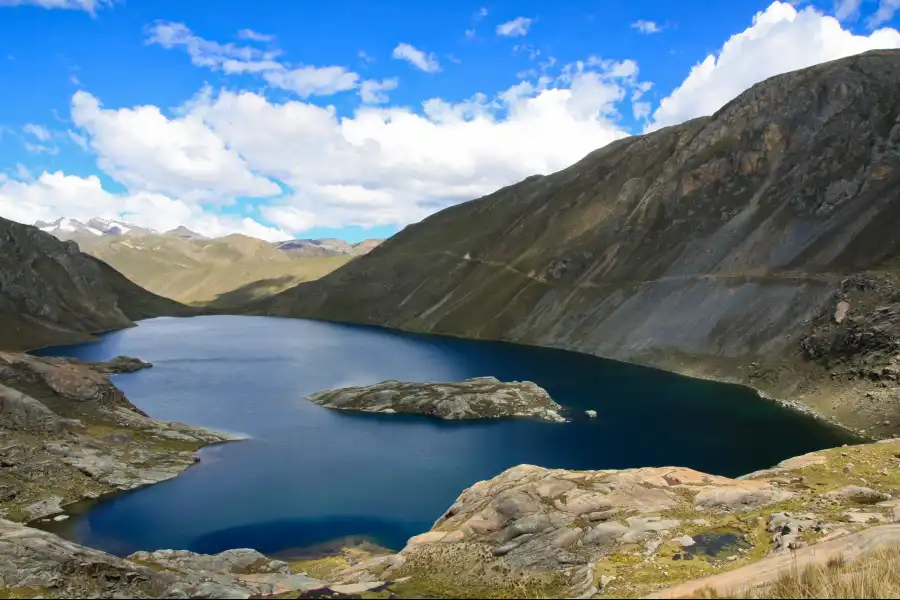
<point>309,475</point>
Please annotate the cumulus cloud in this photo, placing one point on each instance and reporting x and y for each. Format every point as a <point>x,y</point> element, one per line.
<point>53,195</point>
<point>646,27</point>
<point>517,27</point>
<point>378,166</point>
<point>89,6</point>
<point>418,58</point>
<point>144,149</point>
<point>780,39</point>
<point>394,166</point>
<point>234,59</point>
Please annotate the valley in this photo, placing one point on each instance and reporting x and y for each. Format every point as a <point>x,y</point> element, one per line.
<point>756,246</point>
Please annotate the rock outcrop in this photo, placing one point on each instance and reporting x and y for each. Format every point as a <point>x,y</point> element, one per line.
<point>711,248</point>
<point>51,293</point>
<point>532,531</point>
<point>39,564</point>
<point>476,398</point>
<point>67,433</point>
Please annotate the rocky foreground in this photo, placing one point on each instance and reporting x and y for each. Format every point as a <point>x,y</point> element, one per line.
<point>476,398</point>
<point>541,532</point>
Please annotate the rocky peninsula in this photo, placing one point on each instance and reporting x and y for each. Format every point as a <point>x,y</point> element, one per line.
<point>476,398</point>
<point>67,433</point>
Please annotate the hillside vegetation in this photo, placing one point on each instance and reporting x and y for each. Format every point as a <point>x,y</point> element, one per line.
<point>219,272</point>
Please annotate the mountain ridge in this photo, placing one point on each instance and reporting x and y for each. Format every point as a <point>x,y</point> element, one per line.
<point>53,293</point>
<point>713,248</point>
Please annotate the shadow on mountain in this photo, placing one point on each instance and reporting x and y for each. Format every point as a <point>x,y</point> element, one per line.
<point>247,293</point>
<point>297,538</point>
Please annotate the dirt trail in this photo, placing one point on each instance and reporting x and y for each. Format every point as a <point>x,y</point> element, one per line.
<point>767,570</point>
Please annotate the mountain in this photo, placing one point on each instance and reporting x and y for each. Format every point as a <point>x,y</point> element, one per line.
<point>327,247</point>
<point>66,229</point>
<point>218,272</point>
<point>730,246</point>
<point>50,292</point>
<point>183,232</point>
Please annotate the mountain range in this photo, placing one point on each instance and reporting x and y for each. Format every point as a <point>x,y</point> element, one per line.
<point>189,267</point>
<point>65,228</point>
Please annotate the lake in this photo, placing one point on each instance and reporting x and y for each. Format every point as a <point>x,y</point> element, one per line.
<point>309,475</point>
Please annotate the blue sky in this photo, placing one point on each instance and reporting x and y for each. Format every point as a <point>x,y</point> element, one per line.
<point>351,119</point>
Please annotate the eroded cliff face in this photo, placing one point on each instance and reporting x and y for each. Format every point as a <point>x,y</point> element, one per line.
<point>51,293</point>
<point>712,248</point>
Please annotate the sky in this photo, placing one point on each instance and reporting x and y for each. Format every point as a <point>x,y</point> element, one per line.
<point>352,119</point>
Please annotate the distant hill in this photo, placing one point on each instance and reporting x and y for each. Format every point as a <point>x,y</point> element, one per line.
<point>327,247</point>
<point>183,232</point>
<point>189,267</point>
<point>219,272</point>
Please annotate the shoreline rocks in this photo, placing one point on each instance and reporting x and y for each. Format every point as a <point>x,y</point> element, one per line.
<point>476,398</point>
<point>562,533</point>
<point>67,433</point>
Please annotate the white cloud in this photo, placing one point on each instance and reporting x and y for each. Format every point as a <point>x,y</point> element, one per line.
<point>417,58</point>
<point>255,36</point>
<point>79,140</point>
<point>313,81</point>
<point>38,131</point>
<point>395,166</point>
<point>781,39</point>
<point>40,148</point>
<point>23,173</point>
<point>646,27</point>
<point>516,27</point>
<point>89,6</point>
<point>365,57</point>
<point>884,13</point>
<point>374,92</point>
<point>233,59</point>
<point>55,195</point>
<point>470,33</point>
<point>846,9</point>
<point>481,13</point>
<point>145,150</point>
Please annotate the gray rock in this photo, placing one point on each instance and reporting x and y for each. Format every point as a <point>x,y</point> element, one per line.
<point>477,398</point>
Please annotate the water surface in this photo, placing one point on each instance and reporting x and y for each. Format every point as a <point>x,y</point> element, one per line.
<point>309,475</point>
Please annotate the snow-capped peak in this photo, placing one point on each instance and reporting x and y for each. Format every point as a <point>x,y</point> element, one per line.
<point>65,227</point>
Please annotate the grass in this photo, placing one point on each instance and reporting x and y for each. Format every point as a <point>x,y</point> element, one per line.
<point>874,575</point>
<point>222,272</point>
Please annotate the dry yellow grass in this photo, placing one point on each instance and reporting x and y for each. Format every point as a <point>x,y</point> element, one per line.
<point>222,272</point>
<point>874,575</point>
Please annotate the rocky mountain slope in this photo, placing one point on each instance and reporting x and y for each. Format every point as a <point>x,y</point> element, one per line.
<point>217,272</point>
<point>714,248</point>
<point>50,292</point>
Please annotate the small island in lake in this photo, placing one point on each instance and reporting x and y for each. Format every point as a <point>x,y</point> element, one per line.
<point>476,398</point>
